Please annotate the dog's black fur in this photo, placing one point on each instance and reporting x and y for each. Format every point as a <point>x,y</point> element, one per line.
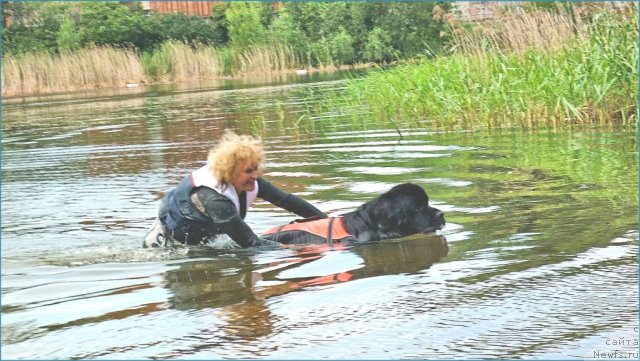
<point>402,211</point>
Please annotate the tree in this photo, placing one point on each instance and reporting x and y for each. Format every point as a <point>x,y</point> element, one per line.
<point>68,38</point>
<point>363,30</point>
<point>284,30</point>
<point>35,26</point>
<point>105,23</point>
<point>244,25</point>
<point>410,26</point>
<point>306,17</point>
<point>341,48</point>
<point>191,30</point>
<point>378,47</point>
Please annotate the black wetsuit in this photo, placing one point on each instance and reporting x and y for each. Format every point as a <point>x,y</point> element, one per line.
<point>195,215</point>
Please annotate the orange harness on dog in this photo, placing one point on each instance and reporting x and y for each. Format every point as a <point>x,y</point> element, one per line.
<point>330,228</point>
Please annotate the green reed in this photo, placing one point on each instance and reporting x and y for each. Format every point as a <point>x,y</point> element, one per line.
<point>590,78</point>
<point>99,67</point>
<point>176,61</point>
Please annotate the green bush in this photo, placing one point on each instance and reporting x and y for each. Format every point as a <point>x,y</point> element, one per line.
<point>320,54</point>
<point>227,59</point>
<point>341,49</point>
<point>106,23</point>
<point>352,32</point>
<point>68,38</point>
<point>284,31</point>
<point>378,46</point>
<point>35,27</point>
<point>244,25</point>
<point>411,27</point>
<point>192,30</point>
<point>157,63</point>
<point>360,31</point>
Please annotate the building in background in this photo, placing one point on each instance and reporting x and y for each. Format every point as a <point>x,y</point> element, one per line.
<point>192,8</point>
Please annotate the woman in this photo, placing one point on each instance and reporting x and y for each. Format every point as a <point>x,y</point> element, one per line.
<point>214,199</point>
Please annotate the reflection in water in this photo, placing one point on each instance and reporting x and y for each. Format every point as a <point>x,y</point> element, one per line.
<point>240,293</point>
<point>540,258</point>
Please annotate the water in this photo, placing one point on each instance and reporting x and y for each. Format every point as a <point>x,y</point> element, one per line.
<point>538,258</point>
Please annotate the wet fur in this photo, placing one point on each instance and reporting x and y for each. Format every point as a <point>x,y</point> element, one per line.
<point>402,211</point>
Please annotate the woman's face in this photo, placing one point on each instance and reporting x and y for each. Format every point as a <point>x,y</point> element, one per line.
<point>244,176</point>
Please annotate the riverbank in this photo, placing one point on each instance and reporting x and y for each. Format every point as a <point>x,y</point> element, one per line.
<point>108,67</point>
<point>530,69</point>
<point>535,69</point>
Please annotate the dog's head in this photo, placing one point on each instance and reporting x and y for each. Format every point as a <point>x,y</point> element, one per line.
<point>404,210</point>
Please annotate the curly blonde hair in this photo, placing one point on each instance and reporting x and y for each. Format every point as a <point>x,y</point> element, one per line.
<point>232,150</point>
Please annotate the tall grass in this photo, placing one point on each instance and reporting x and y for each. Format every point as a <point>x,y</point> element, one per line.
<point>83,69</point>
<point>177,61</point>
<point>520,31</point>
<point>574,73</point>
<point>264,60</point>
<point>114,67</point>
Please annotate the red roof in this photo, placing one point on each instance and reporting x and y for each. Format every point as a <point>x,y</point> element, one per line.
<point>194,8</point>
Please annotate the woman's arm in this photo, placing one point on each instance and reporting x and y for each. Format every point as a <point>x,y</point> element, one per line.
<point>288,201</point>
<point>241,233</point>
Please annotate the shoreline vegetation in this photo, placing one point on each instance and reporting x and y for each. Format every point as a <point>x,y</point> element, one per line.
<point>67,46</point>
<point>528,69</point>
<point>110,67</point>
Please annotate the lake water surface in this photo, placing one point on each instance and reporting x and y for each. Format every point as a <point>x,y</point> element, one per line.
<point>539,258</point>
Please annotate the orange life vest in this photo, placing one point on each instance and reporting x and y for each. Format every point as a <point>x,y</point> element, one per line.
<point>318,227</point>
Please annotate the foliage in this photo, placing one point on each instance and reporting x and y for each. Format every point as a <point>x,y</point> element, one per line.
<point>320,54</point>
<point>591,78</point>
<point>366,24</point>
<point>175,60</point>
<point>107,23</point>
<point>244,25</point>
<point>284,31</point>
<point>63,26</point>
<point>191,30</point>
<point>410,26</point>
<point>341,48</point>
<point>381,32</point>
<point>378,47</point>
<point>35,26</point>
<point>318,32</point>
<point>157,63</point>
<point>68,38</point>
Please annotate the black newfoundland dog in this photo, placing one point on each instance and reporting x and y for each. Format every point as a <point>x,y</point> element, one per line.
<point>402,211</point>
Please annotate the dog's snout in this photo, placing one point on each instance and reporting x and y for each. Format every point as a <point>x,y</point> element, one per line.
<point>440,216</point>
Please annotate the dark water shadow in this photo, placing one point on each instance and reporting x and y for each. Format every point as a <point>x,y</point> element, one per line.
<point>232,275</point>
